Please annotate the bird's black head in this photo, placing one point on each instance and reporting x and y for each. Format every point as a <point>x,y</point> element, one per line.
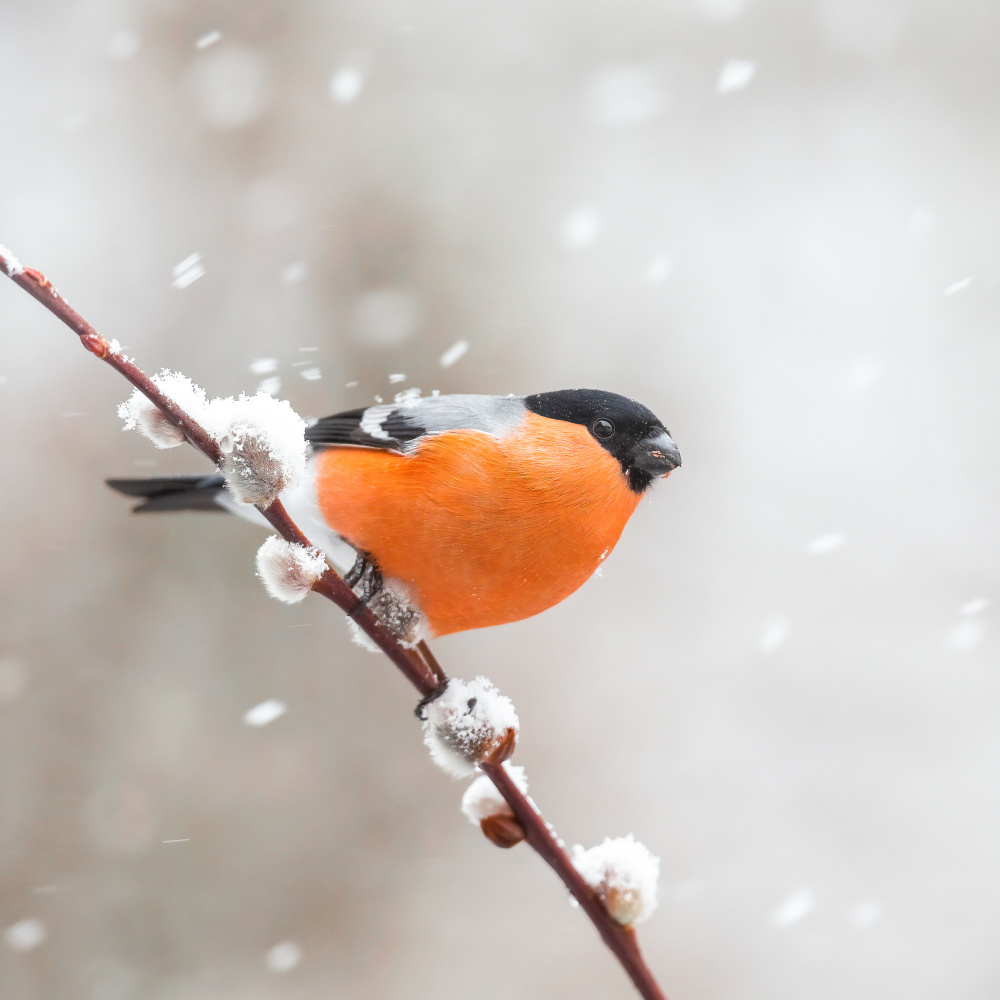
<point>630,432</point>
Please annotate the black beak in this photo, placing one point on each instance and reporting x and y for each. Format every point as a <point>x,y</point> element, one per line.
<point>657,454</point>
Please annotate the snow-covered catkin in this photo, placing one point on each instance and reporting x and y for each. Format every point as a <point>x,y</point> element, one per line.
<point>469,723</point>
<point>394,607</point>
<point>151,422</point>
<point>142,415</point>
<point>263,446</point>
<point>289,570</point>
<point>486,808</point>
<point>624,874</point>
<point>397,611</point>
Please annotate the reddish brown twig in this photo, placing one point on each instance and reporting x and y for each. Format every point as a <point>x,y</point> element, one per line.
<point>419,666</point>
<point>621,940</point>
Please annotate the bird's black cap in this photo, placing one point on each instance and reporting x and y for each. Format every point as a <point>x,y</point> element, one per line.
<point>636,436</point>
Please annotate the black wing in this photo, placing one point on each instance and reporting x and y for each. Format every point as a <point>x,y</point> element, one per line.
<point>385,427</point>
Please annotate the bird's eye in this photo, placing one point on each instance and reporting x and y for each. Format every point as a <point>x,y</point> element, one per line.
<point>603,429</point>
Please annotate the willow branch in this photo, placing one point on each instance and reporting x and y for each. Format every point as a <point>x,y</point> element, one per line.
<point>419,665</point>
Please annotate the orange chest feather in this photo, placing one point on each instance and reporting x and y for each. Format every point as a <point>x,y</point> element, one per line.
<point>482,531</point>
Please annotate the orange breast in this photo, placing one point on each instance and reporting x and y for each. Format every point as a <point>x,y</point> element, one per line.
<point>481,531</point>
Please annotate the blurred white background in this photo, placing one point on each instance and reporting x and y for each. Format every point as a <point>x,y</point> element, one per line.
<point>776,224</point>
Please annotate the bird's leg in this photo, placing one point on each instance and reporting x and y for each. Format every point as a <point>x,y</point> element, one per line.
<point>353,575</point>
<point>371,581</point>
<point>366,572</point>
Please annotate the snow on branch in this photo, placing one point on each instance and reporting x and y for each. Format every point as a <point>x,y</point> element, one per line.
<point>11,264</point>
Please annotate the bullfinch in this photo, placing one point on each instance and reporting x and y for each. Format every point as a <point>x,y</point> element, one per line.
<point>484,509</point>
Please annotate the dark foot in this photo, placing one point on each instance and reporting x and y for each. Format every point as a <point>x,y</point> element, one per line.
<point>365,572</point>
<point>428,698</point>
<point>353,576</point>
<point>371,582</point>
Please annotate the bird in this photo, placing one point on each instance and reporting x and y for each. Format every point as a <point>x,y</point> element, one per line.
<point>483,510</point>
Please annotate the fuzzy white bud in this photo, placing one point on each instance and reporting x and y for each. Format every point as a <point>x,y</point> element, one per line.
<point>150,421</point>
<point>396,610</point>
<point>469,723</point>
<point>482,800</point>
<point>252,472</point>
<point>289,570</point>
<point>486,808</point>
<point>361,638</point>
<point>624,874</point>
<point>263,446</point>
<point>394,607</point>
<point>142,415</point>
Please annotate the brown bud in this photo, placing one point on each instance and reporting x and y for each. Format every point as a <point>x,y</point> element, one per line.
<point>503,830</point>
<point>95,343</point>
<point>38,276</point>
<point>504,749</point>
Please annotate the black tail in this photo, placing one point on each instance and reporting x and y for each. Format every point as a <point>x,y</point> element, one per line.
<point>176,493</point>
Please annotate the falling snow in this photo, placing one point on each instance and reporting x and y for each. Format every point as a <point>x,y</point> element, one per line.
<point>292,274</point>
<point>774,634</point>
<point>265,713</point>
<point>188,271</point>
<point>580,229</point>
<point>959,286</point>
<point>967,634</point>
<point>735,75</point>
<point>263,366</point>
<point>346,84</point>
<point>974,607</point>
<point>283,957</point>
<point>825,543</point>
<point>456,351</point>
<point>863,374</point>
<point>25,935</point>
<point>658,269</point>
<point>795,907</point>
